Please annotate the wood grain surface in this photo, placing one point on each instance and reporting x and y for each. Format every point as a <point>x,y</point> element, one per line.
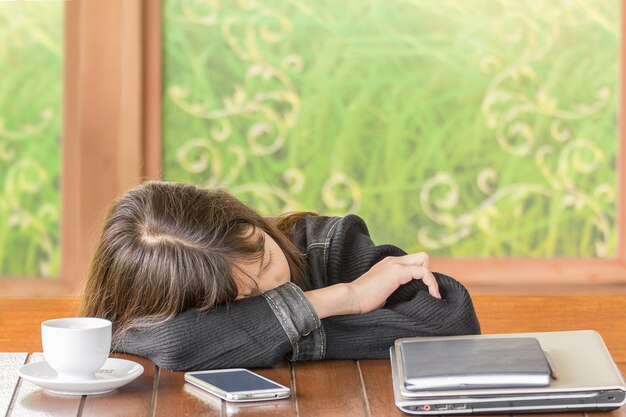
<point>322,388</point>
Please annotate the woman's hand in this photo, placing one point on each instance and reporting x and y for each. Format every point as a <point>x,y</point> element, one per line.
<point>371,290</point>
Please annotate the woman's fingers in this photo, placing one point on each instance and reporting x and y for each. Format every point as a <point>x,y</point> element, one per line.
<point>423,273</point>
<point>431,282</point>
<point>420,258</point>
<point>421,263</point>
<point>376,285</point>
<point>406,268</point>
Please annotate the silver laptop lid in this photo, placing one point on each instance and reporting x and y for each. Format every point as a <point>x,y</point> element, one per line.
<point>580,358</point>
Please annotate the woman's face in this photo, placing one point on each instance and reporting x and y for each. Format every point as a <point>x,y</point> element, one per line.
<point>270,272</point>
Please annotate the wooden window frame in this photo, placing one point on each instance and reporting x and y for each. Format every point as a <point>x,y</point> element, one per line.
<point>112,141</point>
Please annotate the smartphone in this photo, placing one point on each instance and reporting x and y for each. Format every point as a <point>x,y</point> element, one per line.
<point>237,384</point>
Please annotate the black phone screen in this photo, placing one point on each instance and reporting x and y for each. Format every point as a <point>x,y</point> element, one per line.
<point>234,381</point>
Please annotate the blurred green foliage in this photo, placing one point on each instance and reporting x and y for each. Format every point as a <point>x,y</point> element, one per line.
<point>31,57</point>
<point>484,128</point>
<point>469,129</point>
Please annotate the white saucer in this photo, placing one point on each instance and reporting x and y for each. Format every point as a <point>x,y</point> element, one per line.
<point>113,374</point>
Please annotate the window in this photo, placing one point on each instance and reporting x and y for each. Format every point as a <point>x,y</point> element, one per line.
<point>481,132</point>
<point>484,134</point>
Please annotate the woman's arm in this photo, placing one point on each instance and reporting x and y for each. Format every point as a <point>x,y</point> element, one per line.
<point>259,331</point>
<point>372,289</point>
<point>363,277</point>
<point>371,335</point>
<point>349,273</point>
<point>253,332</point>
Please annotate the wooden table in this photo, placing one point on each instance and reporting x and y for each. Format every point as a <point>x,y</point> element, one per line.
<point>325,388</point>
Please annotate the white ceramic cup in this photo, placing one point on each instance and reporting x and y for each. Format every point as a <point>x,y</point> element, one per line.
<point>76,347</point>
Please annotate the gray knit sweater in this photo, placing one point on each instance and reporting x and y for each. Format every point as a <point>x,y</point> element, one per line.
<point>260,331</point>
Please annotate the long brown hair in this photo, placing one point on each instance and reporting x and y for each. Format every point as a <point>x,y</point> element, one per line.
<point>169,247</point>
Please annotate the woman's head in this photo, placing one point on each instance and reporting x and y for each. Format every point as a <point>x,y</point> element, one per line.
<point>169,247</point>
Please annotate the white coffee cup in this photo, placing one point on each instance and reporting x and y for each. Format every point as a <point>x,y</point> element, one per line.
<point>76,347</point>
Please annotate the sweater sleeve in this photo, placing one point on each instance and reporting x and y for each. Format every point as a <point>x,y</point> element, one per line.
<point>254,332</point>
<point>409,311</point>
<point>371,335</point>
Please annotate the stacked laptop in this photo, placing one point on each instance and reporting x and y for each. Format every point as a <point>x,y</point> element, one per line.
<point>506,373</point>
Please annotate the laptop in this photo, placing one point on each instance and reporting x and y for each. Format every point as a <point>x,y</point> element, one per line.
<point>588,379</point>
